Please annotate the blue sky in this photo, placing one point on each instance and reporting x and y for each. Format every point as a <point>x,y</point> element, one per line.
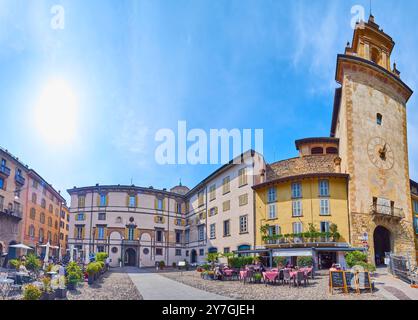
<point>139,66</point>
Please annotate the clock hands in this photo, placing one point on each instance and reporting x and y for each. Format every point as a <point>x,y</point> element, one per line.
<point>382,152</point>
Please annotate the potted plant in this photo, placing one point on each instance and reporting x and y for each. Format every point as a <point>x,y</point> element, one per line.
<point>15,264</point>
<point>91,270</point>
<point>161,265</point>
<point>31,292</point>
<point>61,290</point>
<point>47,292</point>
<point>257,277</point>
<point>74,275</point>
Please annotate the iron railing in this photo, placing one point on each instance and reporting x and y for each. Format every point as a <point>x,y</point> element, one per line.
<point>5,170</point>
<point>19,179</point>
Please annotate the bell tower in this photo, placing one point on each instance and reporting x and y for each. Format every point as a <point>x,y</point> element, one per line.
<point>370,120</point>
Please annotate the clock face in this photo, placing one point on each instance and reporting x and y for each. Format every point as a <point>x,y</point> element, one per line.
<point>380,153</point>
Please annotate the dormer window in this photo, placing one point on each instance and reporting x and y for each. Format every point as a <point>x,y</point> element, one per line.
<point>317,150</point>
<point>379,119</point>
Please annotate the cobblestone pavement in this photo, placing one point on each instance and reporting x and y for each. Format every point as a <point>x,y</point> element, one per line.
<point>393,288</point>
<point>316,290</point>
<point>114,285</point>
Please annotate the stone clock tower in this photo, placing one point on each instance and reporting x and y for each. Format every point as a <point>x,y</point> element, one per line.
<point>370,121</point>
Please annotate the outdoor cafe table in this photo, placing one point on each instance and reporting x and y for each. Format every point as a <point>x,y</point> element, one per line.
<point>270,276</point>
<point>5,286</point>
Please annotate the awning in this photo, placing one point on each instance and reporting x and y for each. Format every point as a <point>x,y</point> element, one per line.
<point>20,246</point>
<point>339,249</point>
<point>292,253</point>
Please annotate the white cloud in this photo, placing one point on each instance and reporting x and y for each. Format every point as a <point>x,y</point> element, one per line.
<point>131,134</point>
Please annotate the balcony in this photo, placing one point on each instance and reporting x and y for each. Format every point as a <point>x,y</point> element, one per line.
<point>389,213</point>
<point>19,179</point>
<point>303,240</point>
<point>16,214</point>
<point>4,171</point>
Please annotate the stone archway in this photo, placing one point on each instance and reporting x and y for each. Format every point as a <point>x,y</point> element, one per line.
<point>382,240</point>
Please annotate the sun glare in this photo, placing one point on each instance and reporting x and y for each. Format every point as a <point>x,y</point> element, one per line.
<point>56,112</point>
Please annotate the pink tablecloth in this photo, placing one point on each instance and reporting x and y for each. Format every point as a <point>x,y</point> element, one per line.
<point>243,274</point>
<point>270,275</point>
<point>228,273</point>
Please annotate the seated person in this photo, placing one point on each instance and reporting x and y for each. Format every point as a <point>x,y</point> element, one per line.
<point>333,267</point>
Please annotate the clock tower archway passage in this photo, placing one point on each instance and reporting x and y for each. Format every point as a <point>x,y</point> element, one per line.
<point>370,121</point>
<point>382,244</point>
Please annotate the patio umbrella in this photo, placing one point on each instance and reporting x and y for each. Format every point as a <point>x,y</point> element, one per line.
<point>72,253</point>
<point>46,258</point>
<point>87,260</point>
<point>20,246</point>
<point>60,254</point>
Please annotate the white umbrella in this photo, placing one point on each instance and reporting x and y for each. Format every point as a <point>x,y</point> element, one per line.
<point>87,260</point>
<point>60,254</point>
<point>46,259</point>
<point>72,253</point>
<point>20,246</point>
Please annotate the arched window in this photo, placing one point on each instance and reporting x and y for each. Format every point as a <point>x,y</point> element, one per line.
<point>332,150</point>
<point>375,55</point>
<point>42,217</point>
<point>213,250</point>
<point>49,222</point>
<point>50,209</point>
<point>317,150</point>
<point>31,231</point>
<point>43,203</point>
<point>33,213</point>
<point>41,235</point>
<point>57,212</point>
<point>379,119</point>
<point>33,197</point>
<point>118,220</point>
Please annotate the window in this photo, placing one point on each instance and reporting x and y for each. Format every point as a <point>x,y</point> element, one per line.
<point>159,236</point>
<point>297,227</point>
<point>213,231</point>
<point>3,163</point>
<point>1,183</point>
<point>56,212</point>
<point>226,185</point>
<point>243,200</point>
<point>324,204</point>
<point>416,224</point>
<point>81,201</point>
<point>50,208</point>
<point>43,203</point>
<point>226,206</point>
<point>41,235</point>
<point>201,252</point>
<point>272,211</point>
<point>201,232</point>
<point>178,207</point>
<point>296,190</point>
<point>32,213</point>
<point>101,233</point>
<point>200,199</point>
<point>31,231</point>
<point>242,177</point>
<point>102,216</point>
<point>178,252</point>
<point>61,236</point>
<point>132,201</point>
<point>227,250</point>
<point>243,224</point>
<point>178,221</point>
<point>42,218</point>
<point>49,236</point>
<point>131,233</point>
<point>324,188</point>
<point>272,231</point>
<point>213,211</point>
<point>49,222</point>
<point>160,205</point>
<point>324,227</point>
<point>1,202</point>
<point>332,150</point>
<point>227,231</point>
<point>56,224</point>
<point>80,217</point>
<point>34,198</point>
<point>212,192</point>
<point>79,230</point>
<point>272,196</point>
<point>158,251</point>
<point>297,208</point>
<point>317,150</point>
<point>187,235</point>
<point>55,238</point>
<point>103,200</point>
<point>178,236</point>
<point>416,206</point>
<point>100,249</point>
